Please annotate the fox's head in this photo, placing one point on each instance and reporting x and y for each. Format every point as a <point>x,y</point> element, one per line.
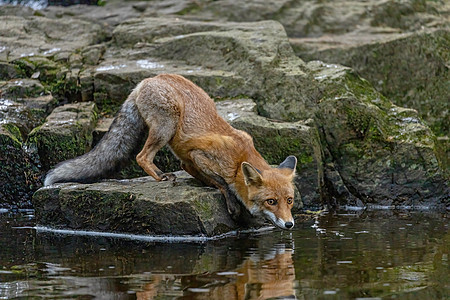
<point>271,192</point>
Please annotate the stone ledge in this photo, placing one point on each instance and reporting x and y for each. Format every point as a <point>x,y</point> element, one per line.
<point>138,206</point>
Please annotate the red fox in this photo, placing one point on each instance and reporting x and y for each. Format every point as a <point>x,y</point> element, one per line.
<point>178,113</point>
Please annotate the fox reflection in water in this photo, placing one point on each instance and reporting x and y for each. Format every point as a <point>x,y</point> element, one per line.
<point>256,278</point>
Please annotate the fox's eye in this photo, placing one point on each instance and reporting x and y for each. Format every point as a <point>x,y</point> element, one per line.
<point>271,201</point>
<point>290,200</point>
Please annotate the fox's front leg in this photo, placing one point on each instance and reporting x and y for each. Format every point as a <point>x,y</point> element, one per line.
<point>231,200</point>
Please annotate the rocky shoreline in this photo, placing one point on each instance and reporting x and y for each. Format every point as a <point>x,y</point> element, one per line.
<point>64,71</point>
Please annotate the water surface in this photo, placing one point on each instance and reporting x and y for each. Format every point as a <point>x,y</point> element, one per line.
<point>349,255</point>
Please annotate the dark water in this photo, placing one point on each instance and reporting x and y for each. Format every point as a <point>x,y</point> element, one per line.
<point>371,255</point>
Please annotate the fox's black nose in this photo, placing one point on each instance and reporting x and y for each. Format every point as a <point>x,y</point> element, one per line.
<point>288,224</point>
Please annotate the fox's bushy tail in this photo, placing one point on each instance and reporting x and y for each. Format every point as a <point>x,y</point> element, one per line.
<point>113,150</point>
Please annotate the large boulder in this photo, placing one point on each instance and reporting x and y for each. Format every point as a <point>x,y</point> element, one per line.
<point>411,69</point>
<point>252,59</point>
<point>399,46</point>
<point>376,152</point>
<point>19,167</point>
<point>141,206</point>
<point>313,18</point>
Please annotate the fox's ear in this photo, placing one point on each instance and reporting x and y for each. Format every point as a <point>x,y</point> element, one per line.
<point>251,174</point>
<point>289,163</point>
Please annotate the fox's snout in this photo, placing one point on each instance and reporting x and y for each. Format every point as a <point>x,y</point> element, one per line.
<point>280,223</point>
<point>289,225</point>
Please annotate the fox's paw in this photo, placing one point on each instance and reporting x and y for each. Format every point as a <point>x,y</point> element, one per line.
<point>168,177</point>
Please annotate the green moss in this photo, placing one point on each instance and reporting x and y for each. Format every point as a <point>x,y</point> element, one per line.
<point>275,148</point>
<point>106,105</point>
<point>192,8</point>
<point>19,175</point>
<point>359,122</point>
<point>57,87</point>
<point>39,114</point>
<point>354,150</point>
<point>65,88</point>
<point>204,208</point>
<point>54,148</point>
<point>52,75</point>
<point>9,71</point>
<point>93,210</point>
<point>24,67</point>
<point>15,133</point>
<point>410,70</point>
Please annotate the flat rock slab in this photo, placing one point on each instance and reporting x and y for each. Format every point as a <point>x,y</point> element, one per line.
<point>28,36</point>
<point>138,206</point>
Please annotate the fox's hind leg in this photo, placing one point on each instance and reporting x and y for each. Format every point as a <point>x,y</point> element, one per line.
<point>159,135</point>
<point>146,156</point>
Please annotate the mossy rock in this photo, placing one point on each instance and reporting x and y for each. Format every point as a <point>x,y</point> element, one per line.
<point>18,113</point>
<point>252,59</point>
<point>9,71</point>
<point>139,206</point>
<point>21,88</point>
<point>381,154</point>
<point>410,69</point>
<point>19,173</point>
<point>67,133</point>
<point>39,67</point>
<point>39,107</point>
<point>20,164</point>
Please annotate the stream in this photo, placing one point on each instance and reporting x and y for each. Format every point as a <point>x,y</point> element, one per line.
<point>379,254</point>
